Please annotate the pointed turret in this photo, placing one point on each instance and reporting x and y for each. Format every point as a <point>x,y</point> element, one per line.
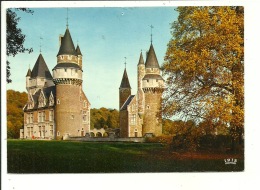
<point>29,73</point>
<point>125,82</point>
<point>39,77</point>
<point>151,61</point>
<point>140,93</point>
<point>124,90</point>
<point>40,69</point>
<point>78,52</point>
<point>141,59</point>
<point>67,47</point>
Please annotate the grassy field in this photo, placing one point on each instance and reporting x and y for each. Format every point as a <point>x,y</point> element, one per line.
<point>24,156</point>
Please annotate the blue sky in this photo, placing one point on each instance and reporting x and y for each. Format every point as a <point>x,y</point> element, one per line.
<point>105,36</point>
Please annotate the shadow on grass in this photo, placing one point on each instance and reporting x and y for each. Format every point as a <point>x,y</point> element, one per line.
<point>89,157</point>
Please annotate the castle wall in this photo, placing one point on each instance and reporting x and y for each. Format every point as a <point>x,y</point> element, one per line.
<point>67,59</point>
<point>152,123</point>
<point>34,128</point>
<point>68,110</point>
<point>123,119</point>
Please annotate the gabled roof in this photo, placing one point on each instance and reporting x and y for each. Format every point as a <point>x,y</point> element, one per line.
<point>67,47</point>
<point>46,91</point>
<point>40,69</point>
<point>29,73</point>
<point>85,97</point>
<point>141,59</point>
<point>151,61</point>
<point>125,82</point>
<point>78,52</point>
<point>127,102</point>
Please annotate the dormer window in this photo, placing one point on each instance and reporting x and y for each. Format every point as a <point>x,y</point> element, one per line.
<point>85,104</point>
<point>51,100</point>
<point>41,101</point>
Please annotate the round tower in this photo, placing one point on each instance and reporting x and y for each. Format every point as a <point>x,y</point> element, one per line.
<point>140,92</point>
<point>67,76</point>
<point>153,86</point>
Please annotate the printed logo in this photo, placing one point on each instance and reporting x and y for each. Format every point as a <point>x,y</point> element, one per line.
<point>230,161</point>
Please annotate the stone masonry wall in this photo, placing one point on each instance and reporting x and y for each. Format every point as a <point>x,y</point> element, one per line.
<point>152,124</point>
<point>67,113</point>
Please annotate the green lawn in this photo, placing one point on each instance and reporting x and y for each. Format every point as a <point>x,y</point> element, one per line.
<point>24,156</point>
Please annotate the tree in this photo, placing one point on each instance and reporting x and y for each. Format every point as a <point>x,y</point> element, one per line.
<point>15,103</point>
<point>104,117</point>
<point>204,66</point>
<point>14,38</point>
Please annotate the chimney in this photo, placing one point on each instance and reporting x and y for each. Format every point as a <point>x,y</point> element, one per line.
<point>60,39</point>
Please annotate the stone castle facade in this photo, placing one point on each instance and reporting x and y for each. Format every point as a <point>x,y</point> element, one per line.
<point>57,105</point>
<point>140,114</point>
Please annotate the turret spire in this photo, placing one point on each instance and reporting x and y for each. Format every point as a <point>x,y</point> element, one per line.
<point>141,59</point>
<point>151,33</point>
<point>125,82</point>
<point>67,47</point>
<point>125,63</point>
<point>67,18</point>
<point>41,44</point>
<point>151,60</point>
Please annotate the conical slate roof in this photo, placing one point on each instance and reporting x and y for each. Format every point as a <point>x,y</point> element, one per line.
<point>125,82</point>
<point>78,52</point>
<point>67,47</point>
<point>40,69</point>
<point>29,73</point>
<point>151,61</point>
<point>141,59</point>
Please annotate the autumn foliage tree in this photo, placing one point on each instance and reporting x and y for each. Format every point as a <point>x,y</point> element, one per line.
<point>104,118</point>
<point>15,103</point>
<point>204,67</point>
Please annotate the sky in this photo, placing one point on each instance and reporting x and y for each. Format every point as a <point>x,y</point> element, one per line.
<point>105,35</point>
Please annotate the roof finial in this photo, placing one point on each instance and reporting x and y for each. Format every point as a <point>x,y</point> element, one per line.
<point>151,33</point>
<point>67,18</point>
<point>41,44</point>
<point>125,63</point>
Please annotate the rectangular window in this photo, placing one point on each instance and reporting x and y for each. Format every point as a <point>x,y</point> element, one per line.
<point>134,107</point>
<point>31,118</point>
<point>133,119</point>
<point>51,115</point>
<point>43,131</point>
<point>51,130</point>
<point>39,116</point>
<point>28,117</point>
<point>43,116</point>
<point>84,116</point>
<point>28,131</point>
